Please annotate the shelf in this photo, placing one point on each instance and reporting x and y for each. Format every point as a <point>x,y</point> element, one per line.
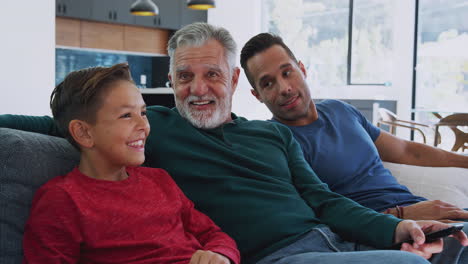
<point>159,90</point>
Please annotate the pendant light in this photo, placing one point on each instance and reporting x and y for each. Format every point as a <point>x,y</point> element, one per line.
<point>201,4</point>
<point>144,8</point>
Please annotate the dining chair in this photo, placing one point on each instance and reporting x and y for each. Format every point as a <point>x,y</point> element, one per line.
<point>455,121</point>
<point>389,118</point>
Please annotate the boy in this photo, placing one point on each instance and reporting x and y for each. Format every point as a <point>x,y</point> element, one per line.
<point>107,210</point>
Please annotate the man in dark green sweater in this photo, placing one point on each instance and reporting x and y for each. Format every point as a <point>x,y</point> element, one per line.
<point>250,177</point>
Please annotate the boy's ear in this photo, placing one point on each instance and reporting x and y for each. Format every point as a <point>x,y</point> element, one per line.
<point>79,130</point>
<point>255,93</point>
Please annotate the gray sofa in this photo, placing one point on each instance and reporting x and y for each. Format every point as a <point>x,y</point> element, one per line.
<point>27,160</point>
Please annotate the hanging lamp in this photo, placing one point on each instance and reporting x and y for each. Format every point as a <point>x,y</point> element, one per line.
<point>201,4</point>
<point>144,8</point>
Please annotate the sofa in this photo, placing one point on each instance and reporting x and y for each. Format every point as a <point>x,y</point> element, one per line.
<point>28,160</point>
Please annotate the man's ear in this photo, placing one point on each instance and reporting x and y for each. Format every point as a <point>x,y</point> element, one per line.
<point>235,78</point>
<point>303,70</point>
<point>255,93</point>
<point>79,130</point>
<point>169,76</point>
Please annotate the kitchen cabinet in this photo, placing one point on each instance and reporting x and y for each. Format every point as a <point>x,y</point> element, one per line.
<point>188,16</point>
<point>150,40</point>
<point>73,8</point>
<point>169,13</point>
<point>112,11</point>
<point>102,36</point>
<point>173,14</point>
<point>67,32</point>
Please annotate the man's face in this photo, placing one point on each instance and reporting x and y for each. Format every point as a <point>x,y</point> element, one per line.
<point>203,84</point>
<point>280,84</point>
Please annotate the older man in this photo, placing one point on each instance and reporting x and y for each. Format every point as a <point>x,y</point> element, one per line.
<point>250,176</point>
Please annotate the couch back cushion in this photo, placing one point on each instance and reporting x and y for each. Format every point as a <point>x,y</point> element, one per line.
<point>27,161</point>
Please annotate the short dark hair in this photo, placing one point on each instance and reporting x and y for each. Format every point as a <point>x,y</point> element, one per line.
<point>258,44</point>
<point>79,95</point>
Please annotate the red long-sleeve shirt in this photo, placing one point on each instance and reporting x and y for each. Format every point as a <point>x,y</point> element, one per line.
<point>143,219</point>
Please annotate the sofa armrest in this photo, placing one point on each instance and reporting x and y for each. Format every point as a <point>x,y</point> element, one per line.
<point>447,184</point>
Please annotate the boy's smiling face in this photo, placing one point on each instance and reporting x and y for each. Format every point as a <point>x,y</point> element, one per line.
<point>121,127</point>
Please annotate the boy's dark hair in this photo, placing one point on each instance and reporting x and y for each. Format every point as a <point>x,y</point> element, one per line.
<point>79,95</point>
<point>258,44</point>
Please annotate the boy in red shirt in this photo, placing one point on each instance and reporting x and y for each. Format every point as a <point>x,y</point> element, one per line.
<point>108,210</point>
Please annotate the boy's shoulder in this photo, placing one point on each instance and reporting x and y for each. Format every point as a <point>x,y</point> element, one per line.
<point>56,188</point>
<point>147,171</point>
<point>157,176</point>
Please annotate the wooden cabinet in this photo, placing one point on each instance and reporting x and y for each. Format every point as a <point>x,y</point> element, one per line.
<point>169,13</point>
<point>67,32</point>
<point>102,36</point>
<point>73,8</point>
<point>97,35</point>
<point>112,11</point>
<point>173,14</point>
<point>145,39</point>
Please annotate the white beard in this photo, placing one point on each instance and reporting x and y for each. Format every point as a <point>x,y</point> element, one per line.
<point>205,119</point>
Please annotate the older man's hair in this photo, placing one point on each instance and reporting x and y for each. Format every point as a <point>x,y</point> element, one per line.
<point>197,34</point>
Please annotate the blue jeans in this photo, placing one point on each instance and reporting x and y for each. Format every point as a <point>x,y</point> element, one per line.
<point>323,246</point>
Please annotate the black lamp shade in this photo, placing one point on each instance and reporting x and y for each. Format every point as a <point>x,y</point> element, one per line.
<point>144,8</point>
<point>201,4</point>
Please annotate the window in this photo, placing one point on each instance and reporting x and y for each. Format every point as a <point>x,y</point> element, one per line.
<point>441,62</point>
<point>317,32</point>
<point>371,42</point>
<point>442,55</point>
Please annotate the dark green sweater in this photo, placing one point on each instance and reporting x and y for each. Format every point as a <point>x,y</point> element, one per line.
<point>251,178</point>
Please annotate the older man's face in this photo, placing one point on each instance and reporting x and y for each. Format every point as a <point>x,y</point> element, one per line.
<point>203,84</point>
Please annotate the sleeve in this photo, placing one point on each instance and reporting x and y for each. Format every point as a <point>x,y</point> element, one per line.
<point>38,124</point>
<point>206,231</point>
<point>373,131</point>
<point>52,231</point>
<point>346,217</point>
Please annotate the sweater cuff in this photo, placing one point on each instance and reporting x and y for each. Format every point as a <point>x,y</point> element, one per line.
<point>231,253</point>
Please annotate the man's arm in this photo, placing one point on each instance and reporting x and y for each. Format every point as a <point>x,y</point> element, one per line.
<point>218,247</point>
<point>396,150</point>
<point>393,149</point>
<point>38,124</point>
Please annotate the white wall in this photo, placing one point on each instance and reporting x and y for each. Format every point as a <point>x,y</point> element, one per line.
<point>27,52</point>
<point>243,19</point>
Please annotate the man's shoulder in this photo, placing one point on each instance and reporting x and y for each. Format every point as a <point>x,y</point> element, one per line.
<point>329,103</point>
<point>156,112</point>
<point>271,125</point>
<point>159,109</point>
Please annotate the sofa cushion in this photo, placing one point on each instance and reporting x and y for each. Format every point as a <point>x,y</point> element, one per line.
<point>446,184</point>
<point>27,160</point>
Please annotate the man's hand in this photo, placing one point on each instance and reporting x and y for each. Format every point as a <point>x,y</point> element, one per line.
<point>434,210</point>
<point>208,257</point>
<point>415,230</point>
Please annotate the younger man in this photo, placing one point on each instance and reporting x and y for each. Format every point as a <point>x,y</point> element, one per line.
<point>333,133</point>
<point>107,210</point>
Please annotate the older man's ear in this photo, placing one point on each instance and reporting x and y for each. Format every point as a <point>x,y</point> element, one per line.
<point>235,78</point>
